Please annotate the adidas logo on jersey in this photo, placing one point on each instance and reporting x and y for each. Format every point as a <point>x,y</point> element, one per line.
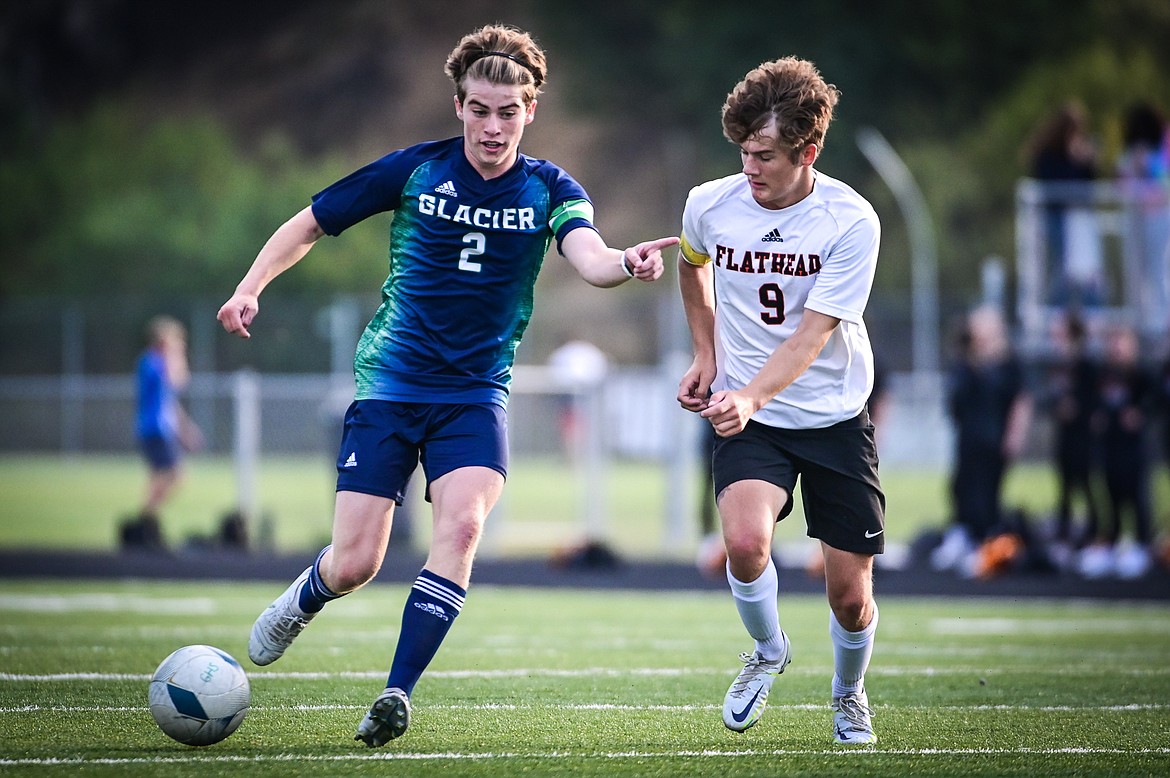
<point>773,237</point>
<point>434,610</point>
<point>447,188</point>
<point>352,461</point>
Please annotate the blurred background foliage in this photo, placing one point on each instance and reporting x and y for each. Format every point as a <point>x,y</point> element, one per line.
<point>151,148</point>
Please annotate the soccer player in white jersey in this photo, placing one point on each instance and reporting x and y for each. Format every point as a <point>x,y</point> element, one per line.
<point>775,268</point>
<point>473,219</point>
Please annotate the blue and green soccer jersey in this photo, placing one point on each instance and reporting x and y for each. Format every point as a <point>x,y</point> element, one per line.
<point>464,256</point>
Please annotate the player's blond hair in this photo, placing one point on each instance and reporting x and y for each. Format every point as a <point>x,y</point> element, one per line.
<point>789,90</point>
<point>161,329</point>
<point>500,55</point>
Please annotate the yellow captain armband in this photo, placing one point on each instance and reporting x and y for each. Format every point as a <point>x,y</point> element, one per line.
<point>690,255</point>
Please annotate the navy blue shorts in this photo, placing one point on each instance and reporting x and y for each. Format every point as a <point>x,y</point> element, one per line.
<point>161,453</point>
<point>382,442</point>
<point>838,469</point>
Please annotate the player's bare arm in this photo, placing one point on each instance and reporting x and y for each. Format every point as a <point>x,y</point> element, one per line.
<point>606,267</point>
<point>697,285</point>
<point>287,246</point>
<point>1016,435</point>
<point>695,387</point>
<point>729,411</point>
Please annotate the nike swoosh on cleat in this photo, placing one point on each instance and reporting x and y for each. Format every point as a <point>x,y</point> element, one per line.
<point>869,534</point>
<point>743,714</point>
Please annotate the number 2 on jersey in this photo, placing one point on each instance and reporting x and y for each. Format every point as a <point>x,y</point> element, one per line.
<point>475,247</point>
<point>772,298</point>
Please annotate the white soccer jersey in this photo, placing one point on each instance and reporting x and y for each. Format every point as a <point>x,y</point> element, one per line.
<point>770,265</point>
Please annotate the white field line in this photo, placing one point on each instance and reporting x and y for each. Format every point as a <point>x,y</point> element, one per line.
<point>602,672</point>
<point>1128,708</point>
<point>392,756</point>
<point>122,602</point>
<point>1027,626</point>
<point>108,603</point>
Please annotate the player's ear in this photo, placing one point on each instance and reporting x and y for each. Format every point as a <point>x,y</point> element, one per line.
<point>458,108</point>
<point>530,112</point>
<point>809,154</point>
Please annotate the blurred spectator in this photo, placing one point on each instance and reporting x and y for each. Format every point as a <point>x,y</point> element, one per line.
<point>1062,154</point>
<point>712,555</point>
<point>1162,401</point>
<point>579,367</point>
<point>163,428</point>
<point>1144,173</point>
<point>1070,395</point>
<point>1124,396</point>
<point>991,411</point>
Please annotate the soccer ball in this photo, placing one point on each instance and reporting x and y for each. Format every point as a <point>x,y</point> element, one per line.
<point>199,695</point>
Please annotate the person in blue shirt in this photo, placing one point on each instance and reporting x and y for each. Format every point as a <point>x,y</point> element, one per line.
<point>163,429</point>
<point>473,220</point>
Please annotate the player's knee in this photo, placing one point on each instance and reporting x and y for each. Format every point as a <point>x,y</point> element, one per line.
<point>747,553</point>
<point>349,572</point>
<point>461,534</point>
<point>853,610</point>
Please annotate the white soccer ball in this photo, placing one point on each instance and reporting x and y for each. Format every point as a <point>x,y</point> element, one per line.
<point>199,695</point>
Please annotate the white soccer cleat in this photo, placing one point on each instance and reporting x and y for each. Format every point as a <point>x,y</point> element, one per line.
<point>745,700</point>
<point>853,720</point>
<point>278,626</point>
<point>388,718</point>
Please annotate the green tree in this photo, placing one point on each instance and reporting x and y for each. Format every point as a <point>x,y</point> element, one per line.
<point>108,204</point>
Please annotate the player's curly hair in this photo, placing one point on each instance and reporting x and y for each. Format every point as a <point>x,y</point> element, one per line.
<point>792,92</point>
<point>500,55</point>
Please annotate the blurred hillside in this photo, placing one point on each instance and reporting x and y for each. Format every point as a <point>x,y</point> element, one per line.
<point>148,149</point>
<point>291,84</point>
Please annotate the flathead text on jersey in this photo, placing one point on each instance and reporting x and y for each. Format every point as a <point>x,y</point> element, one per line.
<point>767,262</point>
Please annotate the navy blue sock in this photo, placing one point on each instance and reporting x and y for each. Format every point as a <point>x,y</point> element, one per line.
<point>314,594</point>
<point>432,606</point>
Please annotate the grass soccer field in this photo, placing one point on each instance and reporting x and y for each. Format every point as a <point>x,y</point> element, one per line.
<point>77,502</point>
<point>542,682</point>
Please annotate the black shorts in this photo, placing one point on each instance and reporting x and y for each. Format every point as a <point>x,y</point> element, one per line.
<point>838,470</point>
<point>383,442</point>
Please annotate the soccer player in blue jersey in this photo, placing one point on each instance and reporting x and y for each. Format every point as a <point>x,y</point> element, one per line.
<point>163,428</point>
<point>473,219</point>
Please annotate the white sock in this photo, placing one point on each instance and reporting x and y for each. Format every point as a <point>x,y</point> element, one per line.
<point>756,603</point>
<point>851,653</point>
